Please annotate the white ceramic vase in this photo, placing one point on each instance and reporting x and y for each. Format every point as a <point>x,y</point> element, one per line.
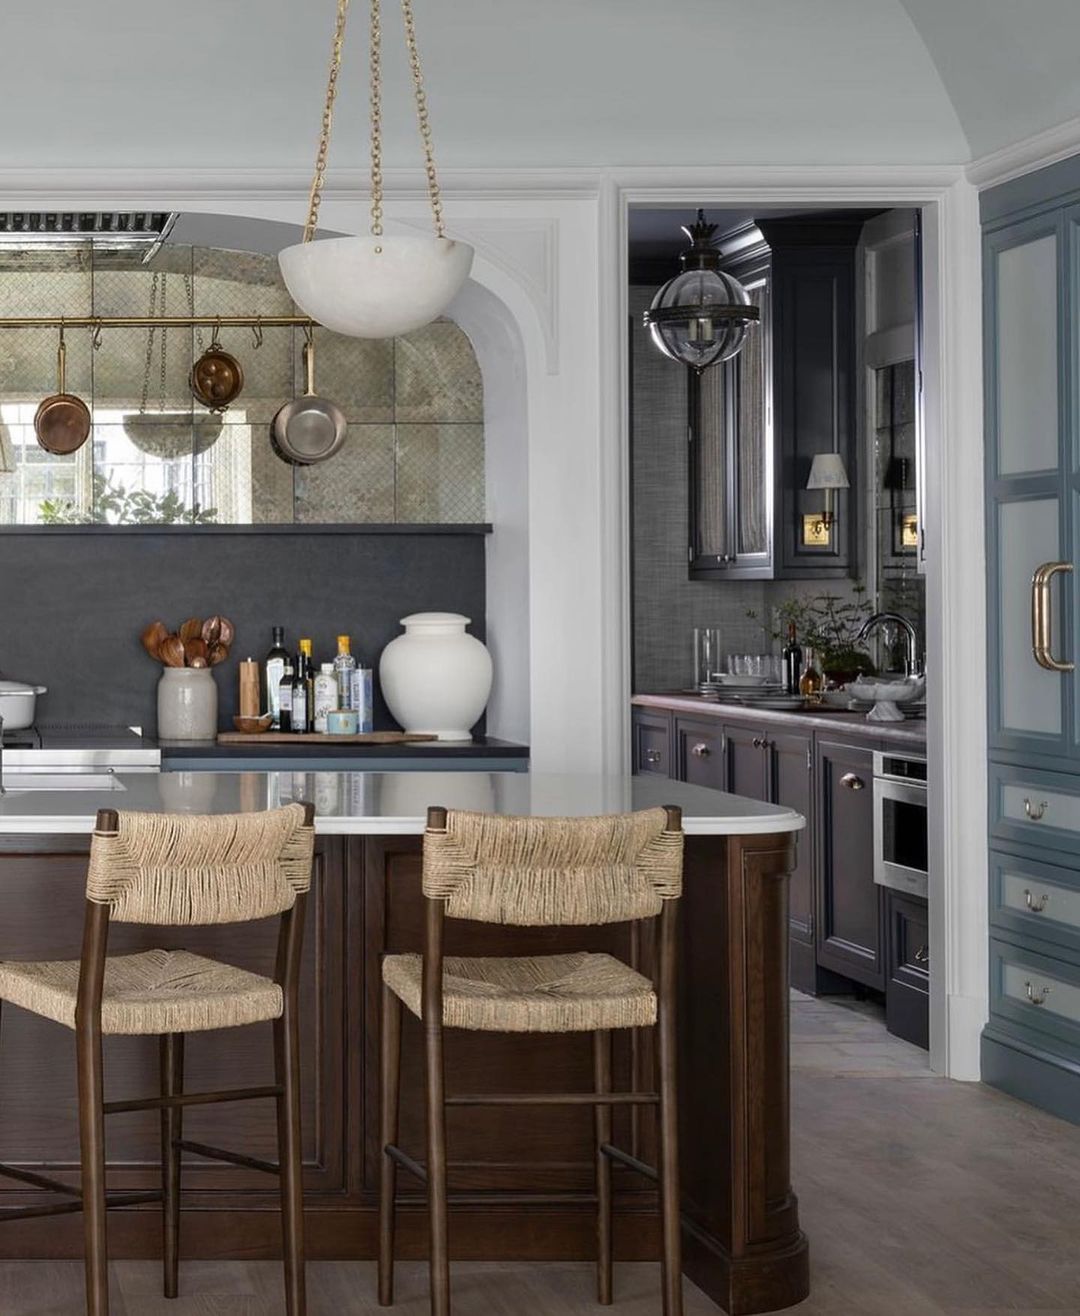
<point>436,678</point>
<point>187,704</point>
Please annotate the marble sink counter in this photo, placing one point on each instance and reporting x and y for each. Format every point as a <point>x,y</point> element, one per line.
<point>388,803</point>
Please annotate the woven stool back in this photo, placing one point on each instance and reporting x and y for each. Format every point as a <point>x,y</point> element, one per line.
<point>186,870</point>
<point>550,872</point>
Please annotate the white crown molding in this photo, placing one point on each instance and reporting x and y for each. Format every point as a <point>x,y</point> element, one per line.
<point>1023,157</point>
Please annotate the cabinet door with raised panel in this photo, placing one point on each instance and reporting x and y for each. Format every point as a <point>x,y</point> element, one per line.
<point>745,759</point>
<point>651,741</point>
<point>1026,331</point>
<point>699,752</point>
<point>791,779</point>
<point>850,908</point>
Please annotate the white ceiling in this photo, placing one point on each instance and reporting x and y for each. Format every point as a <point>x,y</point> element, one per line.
<point>234,83</point>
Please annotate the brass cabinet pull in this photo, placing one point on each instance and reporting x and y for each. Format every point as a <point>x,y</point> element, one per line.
<point>852,782</point>
<point>922,955</point>
<point>701,750</point>
<point>1036,903</point>
<point>652,756</point>
<point>1035,811</point>
<point>1036,997</point>
<point>1042,642</point>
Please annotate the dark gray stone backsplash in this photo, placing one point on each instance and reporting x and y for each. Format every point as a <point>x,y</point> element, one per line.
<point>72,605</point>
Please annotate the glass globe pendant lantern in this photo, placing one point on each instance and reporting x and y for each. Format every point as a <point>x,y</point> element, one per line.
<point>700,316</point>
<point>376,286</point>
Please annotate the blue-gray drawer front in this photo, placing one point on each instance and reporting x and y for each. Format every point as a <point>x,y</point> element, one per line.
<point>1031,898</point>
<point>1036,995</point>
<point>1030,807</point>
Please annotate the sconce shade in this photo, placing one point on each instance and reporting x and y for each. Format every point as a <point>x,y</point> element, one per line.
<point>827,472</point>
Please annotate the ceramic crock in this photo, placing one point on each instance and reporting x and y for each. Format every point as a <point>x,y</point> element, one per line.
<point>187,704</point>
<point>436,678</point>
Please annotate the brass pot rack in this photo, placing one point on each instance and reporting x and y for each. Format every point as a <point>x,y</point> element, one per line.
<point>97,322</point>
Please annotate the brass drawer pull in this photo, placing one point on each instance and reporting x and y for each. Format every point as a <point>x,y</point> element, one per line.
<point>1036,903</point>
<point>701,750</point>
<point>922,955</point>
<point>850,781</point>
<point>653,756</point>
<point>1037,997</point>
<point>1042,641</point>
<point>1035,811</point>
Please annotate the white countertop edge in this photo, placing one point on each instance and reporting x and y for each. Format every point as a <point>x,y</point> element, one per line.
<point>81,825</point>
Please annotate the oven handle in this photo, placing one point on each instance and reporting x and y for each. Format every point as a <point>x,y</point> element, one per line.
<point>906,792</point>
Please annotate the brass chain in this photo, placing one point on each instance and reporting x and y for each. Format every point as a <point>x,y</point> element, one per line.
<point>149,345</point>
<point>315,195</point>
<point>164,334</point>
<point>423,117</point>
<point>376,120</point>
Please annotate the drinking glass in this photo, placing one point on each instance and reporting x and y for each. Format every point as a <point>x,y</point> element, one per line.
<point>707,657</point>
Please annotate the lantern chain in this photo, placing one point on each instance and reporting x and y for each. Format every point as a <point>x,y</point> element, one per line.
<point>423,117</point>
<point>315,196</point>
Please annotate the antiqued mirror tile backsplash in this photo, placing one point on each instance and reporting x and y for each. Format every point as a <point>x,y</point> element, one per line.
<point>413,452</point>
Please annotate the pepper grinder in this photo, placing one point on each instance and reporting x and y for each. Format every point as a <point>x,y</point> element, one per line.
<point>249,688</point>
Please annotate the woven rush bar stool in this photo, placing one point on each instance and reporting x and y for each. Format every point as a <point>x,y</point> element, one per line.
<point>539,872</point>
<point>165,870</point>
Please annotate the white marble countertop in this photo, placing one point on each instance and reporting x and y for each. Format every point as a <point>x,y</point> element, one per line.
<point>387,803</point>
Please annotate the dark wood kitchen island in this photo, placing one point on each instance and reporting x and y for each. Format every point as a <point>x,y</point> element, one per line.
<point>742,1241</point>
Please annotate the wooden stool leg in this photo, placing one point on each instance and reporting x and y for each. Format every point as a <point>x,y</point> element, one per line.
<point>602,1083</point>
<point>669,1163</point>
<point>172,1084</point>
<point>390,1082</point>
<point>287,1069</point>
<point>92,1149</point>
<point>436,1168</point>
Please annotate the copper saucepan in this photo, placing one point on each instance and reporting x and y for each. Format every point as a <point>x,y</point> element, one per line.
<point>309,429</point>
<point>216,378</point>
<point>62,422</point>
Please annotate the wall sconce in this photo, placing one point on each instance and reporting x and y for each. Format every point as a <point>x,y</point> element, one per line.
<point>827,473</point>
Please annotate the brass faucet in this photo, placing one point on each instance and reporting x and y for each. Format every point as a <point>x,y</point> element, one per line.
<point>912,663</point>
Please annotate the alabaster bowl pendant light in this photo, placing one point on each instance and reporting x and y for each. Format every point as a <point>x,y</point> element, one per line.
<point>377,286</point>
<point>700,317</point>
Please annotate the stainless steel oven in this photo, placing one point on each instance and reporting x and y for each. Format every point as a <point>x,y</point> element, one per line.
<point>900,840</point>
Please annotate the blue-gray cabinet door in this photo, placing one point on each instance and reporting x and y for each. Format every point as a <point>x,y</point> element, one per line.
<point>1028,406</point>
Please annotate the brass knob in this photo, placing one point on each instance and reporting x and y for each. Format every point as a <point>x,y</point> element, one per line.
<point>652,756</point>
<point>760,742</point>
<point>1035,811</point>
<point>702,751</point>
<point>1036,904</point>
<point>852,782</point>
<point>922,955</point>
<point>1036,997</point>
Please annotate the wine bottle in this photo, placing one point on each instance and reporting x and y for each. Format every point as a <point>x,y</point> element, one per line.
<point>274,667</point>
<point>299,700</point>
<point>285,693</point>
<point>792,662</point>
<point>309,678</point>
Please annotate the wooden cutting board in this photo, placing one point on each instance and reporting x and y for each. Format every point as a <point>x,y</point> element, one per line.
<point>320,738</point>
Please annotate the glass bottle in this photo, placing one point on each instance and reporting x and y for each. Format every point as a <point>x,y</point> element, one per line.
<point>792,662</point>
<point>274,667</point>
<point>344,666</point>
<point>285,694</point>
<point>299,701</point>
<point>811,683</point>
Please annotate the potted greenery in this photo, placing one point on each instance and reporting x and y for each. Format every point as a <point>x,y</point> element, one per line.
<point>830,626</point>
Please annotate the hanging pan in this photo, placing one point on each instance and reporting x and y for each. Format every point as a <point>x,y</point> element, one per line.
<point>309,429</point>
<point>62,422</point>
<point>216,378</point>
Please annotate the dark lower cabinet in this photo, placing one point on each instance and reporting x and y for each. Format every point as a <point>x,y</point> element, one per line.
<point>699,752</point>
<point>651,742</point>
<point>907,992</point>
<point>791,783</point>
<point>850,913</point>
<point>745,761</point>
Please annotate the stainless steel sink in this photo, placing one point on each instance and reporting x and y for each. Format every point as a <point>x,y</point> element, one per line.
<point>14,780</point>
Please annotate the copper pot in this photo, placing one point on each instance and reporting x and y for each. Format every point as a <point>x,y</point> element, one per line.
<point>216,378</point>
<point>62,421</point>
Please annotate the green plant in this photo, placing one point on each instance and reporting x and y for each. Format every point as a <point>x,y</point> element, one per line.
<point>114,505</point>
<point>830,625</point>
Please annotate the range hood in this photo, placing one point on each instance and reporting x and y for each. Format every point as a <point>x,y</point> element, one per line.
<point>131,232</point>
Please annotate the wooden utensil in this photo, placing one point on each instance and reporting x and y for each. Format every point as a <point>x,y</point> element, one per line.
<point>217,653</point>
<point>249,690</point>
<point>196,651</point>
<point>191,629</point>
<point>152,637</point>
<point>171,651</point>
<point>218,630</point>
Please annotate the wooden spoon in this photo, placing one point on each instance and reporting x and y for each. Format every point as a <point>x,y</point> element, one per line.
<point>218,653</point>
<point>228,632</point>
<point>152,637</point>
<point>190,629</point>
<point>198,662</point>
<point>196,649</point>
<point>211,630</point>
<point>171,651</point>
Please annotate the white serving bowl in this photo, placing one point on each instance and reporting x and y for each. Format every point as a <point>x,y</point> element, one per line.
<point>17,703</point>
<point>740,680</point>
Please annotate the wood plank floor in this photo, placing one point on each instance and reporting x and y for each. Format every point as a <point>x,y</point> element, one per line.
<point>921,1198</point>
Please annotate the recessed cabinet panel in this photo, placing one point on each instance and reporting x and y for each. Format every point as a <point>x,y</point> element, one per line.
<point>1027,361</point>
<point>1029,698</point>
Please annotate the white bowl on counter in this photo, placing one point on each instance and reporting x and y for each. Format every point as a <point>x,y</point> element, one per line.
<point>17,703</point>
